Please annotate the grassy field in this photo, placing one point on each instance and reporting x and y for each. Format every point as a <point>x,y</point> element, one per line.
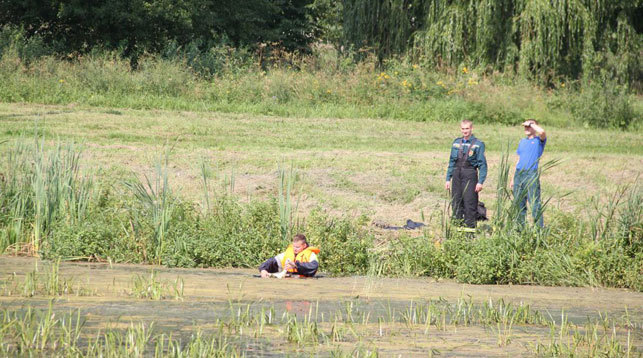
<point>133,189</point>
<point>386,169</point>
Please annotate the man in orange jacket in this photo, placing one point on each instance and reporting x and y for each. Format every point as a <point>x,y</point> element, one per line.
<point>298,259</point>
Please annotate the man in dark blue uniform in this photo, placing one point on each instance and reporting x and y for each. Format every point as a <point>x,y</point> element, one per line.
<point>466,174</point>
<point>526,181</point>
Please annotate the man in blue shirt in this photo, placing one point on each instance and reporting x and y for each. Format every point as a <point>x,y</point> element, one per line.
<point>526,181</point>
<point>466,161</point>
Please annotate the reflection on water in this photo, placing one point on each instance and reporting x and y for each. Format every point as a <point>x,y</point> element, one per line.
<point>298,307</point>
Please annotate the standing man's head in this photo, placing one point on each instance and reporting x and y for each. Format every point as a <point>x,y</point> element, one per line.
<point>466,127</point>
<point>299,243</point>
<point>529,131</point>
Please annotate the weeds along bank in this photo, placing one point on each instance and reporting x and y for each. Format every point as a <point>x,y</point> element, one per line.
<point>350,331</point>
<point>53,208</point>
<point>436,326</point>
<point>322,84</point>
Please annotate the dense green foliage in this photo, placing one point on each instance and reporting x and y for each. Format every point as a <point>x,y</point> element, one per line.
<point>540,39</point>
<point>450,55</point>
<point>135,27</point>
<point>113,221</point>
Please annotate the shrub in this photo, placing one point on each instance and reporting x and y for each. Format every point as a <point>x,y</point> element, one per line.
<point>604,105</point>
<point>550,267</point>
<point>100,238</point>
<point>344,246</point>
<point>232,235</point>
<point>485,262</point>
<point>411,256</point>
<point>608,265</point>
<point>14,39</point>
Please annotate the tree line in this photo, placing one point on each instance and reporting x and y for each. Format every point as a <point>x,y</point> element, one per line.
<point>540,39</point>
<point>137,26</point>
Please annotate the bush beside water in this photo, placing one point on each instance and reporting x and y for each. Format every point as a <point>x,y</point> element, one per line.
<point>115,225</point>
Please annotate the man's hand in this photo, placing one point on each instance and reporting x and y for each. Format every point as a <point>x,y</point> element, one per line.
<point>448,185</point>
<point>265,274</point>
<point>478,188</point>
<point>290,265</point>
<point>540,132</point>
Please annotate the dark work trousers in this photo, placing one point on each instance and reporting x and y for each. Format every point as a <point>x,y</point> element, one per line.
<point>463,191</point>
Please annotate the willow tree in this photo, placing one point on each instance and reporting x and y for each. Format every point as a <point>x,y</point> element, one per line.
<point>578,38</point>
<point>540,39</point>
<point>384,27</point>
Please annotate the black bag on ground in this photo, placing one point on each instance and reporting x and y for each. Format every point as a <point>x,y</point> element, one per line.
<point>481,212</point>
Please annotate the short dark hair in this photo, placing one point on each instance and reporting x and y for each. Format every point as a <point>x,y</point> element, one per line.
<point>532,119</point>
<point>300,238</point>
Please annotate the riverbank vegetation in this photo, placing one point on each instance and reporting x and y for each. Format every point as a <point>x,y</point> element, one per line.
<point>55,209</point>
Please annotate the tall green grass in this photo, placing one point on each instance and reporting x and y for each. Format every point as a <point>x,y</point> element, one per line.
<point>286,182</point>
<point>151,287</point>
<point>156,199</point>
<point>322,84</point>
<point>603,250</point>
<point>507,214</point>
<point>40,187</point>
<point>43,282</point>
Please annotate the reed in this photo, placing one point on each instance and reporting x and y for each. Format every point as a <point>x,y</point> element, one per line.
<point>199,345</point>
<point>155,196</point>
<point>286,181</point>
<point>36,332</point>
<point>507,217</point>
<point>150,286</point>
<point>47,283</point>
<point>205,177</point>
<point>43,187</point>
<point>303,331</point>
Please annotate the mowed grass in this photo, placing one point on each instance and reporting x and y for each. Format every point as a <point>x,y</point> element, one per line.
<point>387,169</point>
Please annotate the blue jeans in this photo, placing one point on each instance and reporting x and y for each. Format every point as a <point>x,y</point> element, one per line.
<point>527,188</point>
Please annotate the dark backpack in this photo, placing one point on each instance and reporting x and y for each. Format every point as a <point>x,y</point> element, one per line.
<point>481,212</point>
